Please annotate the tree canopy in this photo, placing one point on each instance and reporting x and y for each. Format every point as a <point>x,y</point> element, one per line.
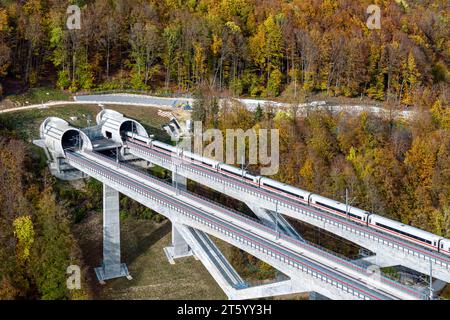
<point>249,47</point>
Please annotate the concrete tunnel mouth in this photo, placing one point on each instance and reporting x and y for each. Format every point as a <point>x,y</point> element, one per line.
<point>71,140</point>
<point>133,127</point>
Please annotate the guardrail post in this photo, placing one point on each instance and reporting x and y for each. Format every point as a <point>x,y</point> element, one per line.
<point>111,267</point>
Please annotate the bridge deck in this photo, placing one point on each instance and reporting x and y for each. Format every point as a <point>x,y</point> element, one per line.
<point>387,247</point>
<point>247,235</point>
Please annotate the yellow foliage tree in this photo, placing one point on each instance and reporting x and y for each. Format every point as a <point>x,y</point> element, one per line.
<point>421,160</point>
<point>307,173</point>
<point>24,232</point>
<point>410,78</point>
<point>441,116</point>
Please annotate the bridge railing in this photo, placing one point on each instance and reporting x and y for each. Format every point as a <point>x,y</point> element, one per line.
<point>374,235</point>
<point>305,267</point>
<point>341,260</point>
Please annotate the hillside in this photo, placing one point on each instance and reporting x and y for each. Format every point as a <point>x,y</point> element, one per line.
<point>241,47</point>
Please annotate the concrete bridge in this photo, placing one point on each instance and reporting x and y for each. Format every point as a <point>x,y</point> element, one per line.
<point>72,155</point>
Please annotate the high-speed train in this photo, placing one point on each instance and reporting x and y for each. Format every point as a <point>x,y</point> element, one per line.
<point>371,220</point>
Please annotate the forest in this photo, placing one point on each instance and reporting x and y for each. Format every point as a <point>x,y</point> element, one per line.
<point>395,167</point>
<point>260,48</point>
<point>36,242</point>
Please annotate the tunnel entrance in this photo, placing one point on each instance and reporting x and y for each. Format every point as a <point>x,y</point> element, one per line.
<point>71,141</point>
<point>128,126</point>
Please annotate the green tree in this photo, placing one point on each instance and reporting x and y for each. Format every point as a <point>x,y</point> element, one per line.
<point>274,83</point>
<point>145,50</point>
<point>259,113</point>
<point>52,254</point>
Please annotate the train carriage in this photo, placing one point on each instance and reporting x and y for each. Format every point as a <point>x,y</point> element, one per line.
<point>278,187</point>
<point>201,160</point>
<point>444,246</point>
<point>404,231</point>
<point>165,147</point>
<point>339,208</point>
<point>225,168</point>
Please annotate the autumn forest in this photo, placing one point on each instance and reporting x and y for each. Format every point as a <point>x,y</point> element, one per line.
<point>243,47</point>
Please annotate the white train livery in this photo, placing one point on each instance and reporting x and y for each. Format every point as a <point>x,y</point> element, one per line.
<point>371,220</point>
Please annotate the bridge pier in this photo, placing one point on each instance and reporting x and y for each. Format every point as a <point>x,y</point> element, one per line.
<point>264,215</point>
<point>111,267</point>
<point>179,247</point>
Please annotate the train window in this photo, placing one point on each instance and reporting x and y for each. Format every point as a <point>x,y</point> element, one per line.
<point>336,209</point>
<point>108,135</point>
<point>226,170</point>
<point>354,216</point>
<point>293,194</point>
<point>442,246</point>
<point>330,207</point>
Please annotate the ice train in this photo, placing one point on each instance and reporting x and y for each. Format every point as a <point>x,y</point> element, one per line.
<point>371,220</point>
